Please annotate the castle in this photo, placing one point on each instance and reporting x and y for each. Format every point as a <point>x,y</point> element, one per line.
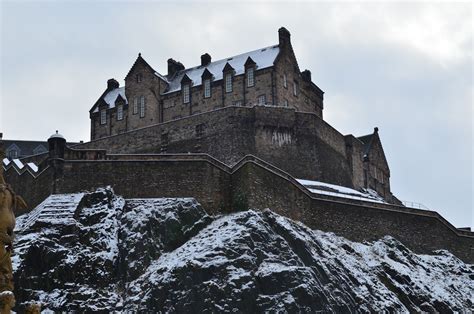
<point>238,133</point>
<point>293,136</point>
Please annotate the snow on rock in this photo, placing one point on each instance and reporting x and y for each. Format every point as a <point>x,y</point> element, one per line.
<point>168,255</point>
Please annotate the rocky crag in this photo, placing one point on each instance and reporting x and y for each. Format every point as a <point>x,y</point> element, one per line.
<point>100,252</point>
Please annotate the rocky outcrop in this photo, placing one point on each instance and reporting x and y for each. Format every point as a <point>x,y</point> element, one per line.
<point>168,255</point>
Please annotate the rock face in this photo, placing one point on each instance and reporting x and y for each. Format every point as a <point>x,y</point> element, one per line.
<point>97,251</point>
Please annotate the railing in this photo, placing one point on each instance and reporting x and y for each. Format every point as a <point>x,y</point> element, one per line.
<point>414,205</point>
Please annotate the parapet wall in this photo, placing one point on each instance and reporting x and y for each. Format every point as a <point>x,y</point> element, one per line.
<point>250,183</point>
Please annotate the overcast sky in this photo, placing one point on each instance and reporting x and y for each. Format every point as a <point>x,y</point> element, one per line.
<point>406,68</point>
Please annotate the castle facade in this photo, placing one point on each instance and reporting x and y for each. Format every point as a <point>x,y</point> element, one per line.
<point>189,110</point>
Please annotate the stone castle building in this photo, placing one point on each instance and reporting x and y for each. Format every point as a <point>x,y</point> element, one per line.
<point>238,133</point>
<point>268,77</point>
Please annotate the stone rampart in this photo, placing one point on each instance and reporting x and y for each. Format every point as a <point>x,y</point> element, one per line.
<point>250,183</point>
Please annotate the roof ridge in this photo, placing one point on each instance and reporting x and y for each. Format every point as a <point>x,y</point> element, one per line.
<point>226,59</point>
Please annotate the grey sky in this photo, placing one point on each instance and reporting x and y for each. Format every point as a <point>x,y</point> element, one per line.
<point>406,68</point>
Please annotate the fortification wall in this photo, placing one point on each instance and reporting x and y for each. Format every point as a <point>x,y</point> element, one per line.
<point>299,143</point>
<point>421,231</point>
<point>251,183</point>
<point>33,187</point>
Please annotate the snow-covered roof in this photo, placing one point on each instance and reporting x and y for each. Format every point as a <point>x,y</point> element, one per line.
<point>111,97</point>
<point>56,135</point>
<point>264,58</point>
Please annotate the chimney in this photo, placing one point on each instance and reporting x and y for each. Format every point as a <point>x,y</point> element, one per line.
<point>284,37</point>
<point>306,74</point>
<point>205,59</point>
<point>174,66</point>
<point>112,84</point>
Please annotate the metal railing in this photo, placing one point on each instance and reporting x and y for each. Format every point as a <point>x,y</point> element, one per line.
<point>415,205</point>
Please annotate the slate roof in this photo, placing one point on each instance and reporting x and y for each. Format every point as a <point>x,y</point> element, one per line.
<point>264,58</point>
<point>27,148</point>
<point>111,97</point>
<point>367,140</point>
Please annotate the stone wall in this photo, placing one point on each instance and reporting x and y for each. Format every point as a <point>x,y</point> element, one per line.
<point>263,187</point>
<point>300,143</point>
<point>251,183</point>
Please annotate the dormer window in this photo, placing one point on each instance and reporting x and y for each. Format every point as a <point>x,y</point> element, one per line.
<point>13,154</point>
<point>250,77</point>
<point>120,112</point>
<point>207,88</point>
<point>227,72</point>
<point>139,78</point>
<point>186,91</point>
<point>103,116</point>
<point>228,83</point>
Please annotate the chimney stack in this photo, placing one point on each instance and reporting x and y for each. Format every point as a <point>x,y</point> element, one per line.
<point>112,84</point>
<point>306,74</point>
<point>205,59</point>
<point>284,37</point>
<point>174,66</point>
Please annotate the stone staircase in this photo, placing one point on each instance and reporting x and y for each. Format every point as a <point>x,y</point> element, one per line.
<point>56,209</point>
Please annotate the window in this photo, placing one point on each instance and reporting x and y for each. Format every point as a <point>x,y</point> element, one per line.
<point>13,154</point>
<point>285,82</point>
<point>103,116</point>
<point>228,83</point>
<point>207,88</point>
<point>199,130</point>
<point>142,106</point>
<point>120,112</point>
<point>250,77</point>
<point>238,103</point>
<point>285,103</point>
<point>295,89</point>
<point>39,149</point>
<point>135,105</point>
<point>139,78</point>
<point>262,100</point>
<point>164,142</point>
<point>186,93</point>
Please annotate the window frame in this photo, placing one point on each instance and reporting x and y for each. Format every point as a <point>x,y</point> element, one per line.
<point>103,117</point>
<point>186,93</point>
<point>285,81</point>
<point>264,97</point>
<point>228,82</point>
<point>119,112</point>
<point>295,88</point>
<point>142,107</point>
<point>250,77</point>
<point>135,105</point>
<point>207,88</point>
